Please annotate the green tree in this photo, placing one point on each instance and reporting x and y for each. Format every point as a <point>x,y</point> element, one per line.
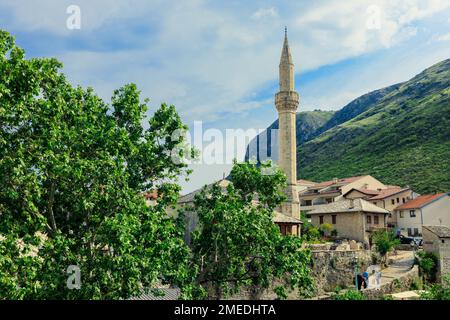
<point>427,262</point>
<point>72,173</point>
<point>238,245</point>
<point>439,291</point>
<point>385,241</point>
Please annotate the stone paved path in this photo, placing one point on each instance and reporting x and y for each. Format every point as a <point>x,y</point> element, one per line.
<point>402,263</point>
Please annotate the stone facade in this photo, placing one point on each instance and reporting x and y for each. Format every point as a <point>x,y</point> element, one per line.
<point>332,268</point>
<point>439,243</point>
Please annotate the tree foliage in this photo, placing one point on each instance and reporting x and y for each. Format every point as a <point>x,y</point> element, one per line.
<point>438,291</point>
<point>238,245</point>
<point>72,173</point>
<point>384,241</point>
<point>428,263</point>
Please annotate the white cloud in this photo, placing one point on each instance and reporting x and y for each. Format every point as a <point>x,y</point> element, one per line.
<point>210,58</point>
<point>445,37</point>
<point>265,13</point>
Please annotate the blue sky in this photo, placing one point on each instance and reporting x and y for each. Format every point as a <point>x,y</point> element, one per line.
<point>217,61</point>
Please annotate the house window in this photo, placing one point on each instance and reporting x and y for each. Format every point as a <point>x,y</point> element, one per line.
<point>403,199</point>
<point>398,200</point>
<point>320,219</point>
<point>416,232</point>
<point>393,201</point>
<point>443,241</point>
<point>369,219</point>
<point>390,215</point>
<point>375,203</point>
<point>412,213</point>
<point>410,232</point>
<point>402,214</point>
<point>308,202</point>
<point>333,219</point>
<point>329,200</point>
<point>375,220</point>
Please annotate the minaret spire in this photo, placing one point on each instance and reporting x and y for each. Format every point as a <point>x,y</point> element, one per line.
<point>286,66</point>
<point>286,101</point>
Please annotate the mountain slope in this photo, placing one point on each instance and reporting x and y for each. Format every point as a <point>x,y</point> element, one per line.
<point>401,137</point>
<point>355,108</point>
<point>307,123</point>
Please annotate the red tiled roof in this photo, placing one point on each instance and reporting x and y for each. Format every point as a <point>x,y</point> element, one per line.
<point>340,181</point>
<point>303,181</point>
<point>150,195</point>
<point>420,201</point>
<point>384,193</point>
<point>367,191</point>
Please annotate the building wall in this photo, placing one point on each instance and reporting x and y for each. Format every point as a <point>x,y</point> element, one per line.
<point>367,182</point>
<point>436,213</point>
<point>441,247</point>
<point>348,225</point>
<point>409,222</point>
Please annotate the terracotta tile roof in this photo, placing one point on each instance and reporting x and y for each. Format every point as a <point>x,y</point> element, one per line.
<point>345,206</point>
<point>366,191</point>
<point>384,193</point>
<point>341,181</point>
<point>420,201</point>
<point>150,195</point>
<point>305,182</point>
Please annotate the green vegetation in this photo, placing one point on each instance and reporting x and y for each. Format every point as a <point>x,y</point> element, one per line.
<point>238,244</point>
<point>438,291</point>
<point>384,242</point>
<point>401,135</point>
<point>348,295</point>
<point>307,123</point>
<point>72,173</point>
<point>427,262</point>
<point>310,233</point>
<point>325,229</point>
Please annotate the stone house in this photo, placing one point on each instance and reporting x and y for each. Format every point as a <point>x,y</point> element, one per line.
<point>352,218</point>
<point>436,239</point>
<point>431,209</point>
<point>316,194</point>
<point>388,198</point>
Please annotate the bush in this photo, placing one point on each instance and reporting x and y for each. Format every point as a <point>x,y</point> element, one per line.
<point>427,262</point>
<point>326,229</point>
<point>334,233</point>
<point>348,295</point>
<point>438,291</point>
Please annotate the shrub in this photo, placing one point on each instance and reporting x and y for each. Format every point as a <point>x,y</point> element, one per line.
<point>427,262</point>
<point>326,228</point>
<point>438,291</point>
<point>349,295</point>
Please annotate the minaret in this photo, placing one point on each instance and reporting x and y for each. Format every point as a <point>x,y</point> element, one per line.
<point>286,101</point>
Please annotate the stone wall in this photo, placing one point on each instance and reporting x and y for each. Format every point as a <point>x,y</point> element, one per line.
<point>402,283</point>
<point>332,268</point>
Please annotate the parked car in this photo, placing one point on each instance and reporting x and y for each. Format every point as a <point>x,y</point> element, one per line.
<point>410,240</point>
